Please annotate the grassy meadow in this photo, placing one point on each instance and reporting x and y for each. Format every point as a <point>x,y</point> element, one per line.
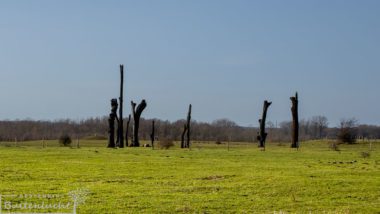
<point>208,178</point>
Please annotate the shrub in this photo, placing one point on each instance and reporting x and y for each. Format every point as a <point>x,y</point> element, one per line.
<point>348,131</point>
<point>65,140</point>
<point>334,146</point>
<point>165,144</point>
<point>218,142</point>
<point>365,154</point>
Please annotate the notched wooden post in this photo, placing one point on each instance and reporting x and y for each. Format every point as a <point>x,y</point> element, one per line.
<point>262,134</point>
<point>295,124</point>
<point>136,113</point>
<point>111,124</point>
<point>186,131</point>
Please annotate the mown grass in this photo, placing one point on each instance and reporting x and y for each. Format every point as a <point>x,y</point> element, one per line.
<point>205,179</point>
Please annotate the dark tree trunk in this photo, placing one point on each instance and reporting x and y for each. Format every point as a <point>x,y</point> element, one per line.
<point>186,131</point>
<point>136,113</point>
<point>295,125</point>
<point>127,130</point>
<point>262,134</point>
<point>188,127</point>
<point>183,145</point>
<point>121,125</point>
<point>111,124</point>
<point>152,134</point>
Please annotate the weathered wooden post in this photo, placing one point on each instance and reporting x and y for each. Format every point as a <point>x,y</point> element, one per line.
<point>183,145</point>
<point>186,131</point>
<point>262,134</point>
<point>136,113</point>
<point>127,130</point>
<point>295,124</point>
<point>111,124</point>
<point>120,142</point>
<point>152,134</point>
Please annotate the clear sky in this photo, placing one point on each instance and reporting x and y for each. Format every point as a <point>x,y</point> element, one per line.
<point>60,59</point>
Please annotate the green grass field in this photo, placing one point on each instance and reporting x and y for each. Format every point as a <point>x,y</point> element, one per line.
<point>205,179</point>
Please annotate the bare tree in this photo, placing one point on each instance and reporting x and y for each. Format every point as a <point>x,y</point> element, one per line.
<point>319,125</point>
<point>136,113</point>
<point>348,131</point>
<point>295,124</point>
<point>262,134</point>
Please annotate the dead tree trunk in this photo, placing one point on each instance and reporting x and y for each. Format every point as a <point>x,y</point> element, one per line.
<point>183,145</point>
<point>262,134</point>
<point>120,127</point>
<point>152,134</point>
<point>136,113</point>
<point>127,130</point>
<point>111,124</point>
<point>295,125</point>
<point>186,131</point>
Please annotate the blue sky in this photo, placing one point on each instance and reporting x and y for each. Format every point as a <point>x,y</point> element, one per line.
<point>60,59</point>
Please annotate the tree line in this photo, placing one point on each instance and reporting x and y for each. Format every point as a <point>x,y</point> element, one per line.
<point>218,130</point>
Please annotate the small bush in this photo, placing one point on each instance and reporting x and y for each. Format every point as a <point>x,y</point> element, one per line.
<point>334,146</point>
<point>365,154</point>
<point>218,142</point>
<point>65,140</point>
<point>165,144</point>
<point>348,131</point>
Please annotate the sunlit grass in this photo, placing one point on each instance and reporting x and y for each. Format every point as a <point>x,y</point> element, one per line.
<point>206,179</point>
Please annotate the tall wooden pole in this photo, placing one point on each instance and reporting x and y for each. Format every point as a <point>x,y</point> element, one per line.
<point>295,124</point>
<point>121,127</point>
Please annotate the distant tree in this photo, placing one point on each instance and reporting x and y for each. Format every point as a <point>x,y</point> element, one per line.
<point>152,135</point>
<point>348,131</point>
<point>319,125</point>
<point>65,140</point>
<point>223,129</point>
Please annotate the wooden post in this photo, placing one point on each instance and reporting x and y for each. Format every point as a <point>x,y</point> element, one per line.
<point>136,112</point>
<point>262,134</point>
<point>121,126</point>
<point>186,131</point>
<point>78,142</point>
<point>183,145</point>
<point>111,124</point>
<point>295,124</point>
<point>127,130</point>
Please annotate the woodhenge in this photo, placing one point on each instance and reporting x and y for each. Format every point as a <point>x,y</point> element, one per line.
<point>185,136</point>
